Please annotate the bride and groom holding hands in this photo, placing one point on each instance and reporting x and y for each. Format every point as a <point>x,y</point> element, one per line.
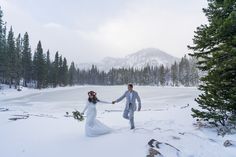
<point>94,127</point>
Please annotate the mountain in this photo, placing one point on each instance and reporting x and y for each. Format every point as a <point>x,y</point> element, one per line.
<point>140,59</point>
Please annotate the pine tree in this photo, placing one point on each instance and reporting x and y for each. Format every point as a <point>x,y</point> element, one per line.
<point>146,75</point>
<point>162,75</point>
<point>60,72</point>
<point>194,76</point>
<point>1,45</point>
<point>26,60</point>
<point>110,76</point>
<point>174,74</point>
<point>18,59</point>
<point>39,66</point>
<point>156,75</point>
<point>72,74</point>
<point>184,71</point>
<point>2,48</point>
<point>215,48</point>
<point>167,76</point>
<point>48,69</point>
<point>11,58</point>
<point>181,71</point>
<point>55,70</point>
<point>64,72</point>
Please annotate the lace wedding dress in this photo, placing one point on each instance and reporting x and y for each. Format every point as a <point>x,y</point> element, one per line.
<point>94,127</point>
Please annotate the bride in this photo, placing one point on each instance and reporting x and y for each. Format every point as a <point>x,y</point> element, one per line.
<point>94,127</point>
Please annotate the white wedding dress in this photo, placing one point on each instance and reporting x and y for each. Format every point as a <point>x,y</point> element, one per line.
<point>94,127</point>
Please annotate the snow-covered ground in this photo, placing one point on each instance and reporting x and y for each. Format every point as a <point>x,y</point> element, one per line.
<point>165,116</point>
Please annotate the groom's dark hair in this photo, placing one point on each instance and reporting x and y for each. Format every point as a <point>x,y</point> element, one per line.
<point>130,85</point>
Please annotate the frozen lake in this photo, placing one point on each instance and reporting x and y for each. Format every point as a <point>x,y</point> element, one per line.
<point>56,100</point>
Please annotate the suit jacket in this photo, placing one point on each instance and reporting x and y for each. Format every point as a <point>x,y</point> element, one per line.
<point>129,101</point>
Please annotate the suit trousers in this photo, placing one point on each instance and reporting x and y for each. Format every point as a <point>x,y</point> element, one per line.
<point>129,114</point>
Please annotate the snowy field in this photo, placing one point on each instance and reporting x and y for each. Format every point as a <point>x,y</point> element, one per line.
<point>46,132</point>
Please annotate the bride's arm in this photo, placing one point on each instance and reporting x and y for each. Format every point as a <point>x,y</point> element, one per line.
<point>104,102</point>
<point>85,108</point>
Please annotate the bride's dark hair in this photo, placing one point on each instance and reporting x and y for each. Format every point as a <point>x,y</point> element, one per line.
<point>93,100</point>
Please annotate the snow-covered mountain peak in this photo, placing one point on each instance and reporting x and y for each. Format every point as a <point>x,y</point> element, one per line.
<point>140,59</point>
<point>148,52</point>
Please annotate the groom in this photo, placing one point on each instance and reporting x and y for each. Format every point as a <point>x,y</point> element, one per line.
<point>131,97</point>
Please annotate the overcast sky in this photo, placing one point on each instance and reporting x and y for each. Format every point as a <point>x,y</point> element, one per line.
<point>89,30</point>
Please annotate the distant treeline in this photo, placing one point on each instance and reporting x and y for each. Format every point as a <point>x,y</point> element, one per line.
<point>19,67</point>
<point>182,73</point>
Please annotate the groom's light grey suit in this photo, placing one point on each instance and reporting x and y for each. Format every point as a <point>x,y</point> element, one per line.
<point>130,105</point>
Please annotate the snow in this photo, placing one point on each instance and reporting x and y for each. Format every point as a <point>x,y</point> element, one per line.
<point>165,116</point>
